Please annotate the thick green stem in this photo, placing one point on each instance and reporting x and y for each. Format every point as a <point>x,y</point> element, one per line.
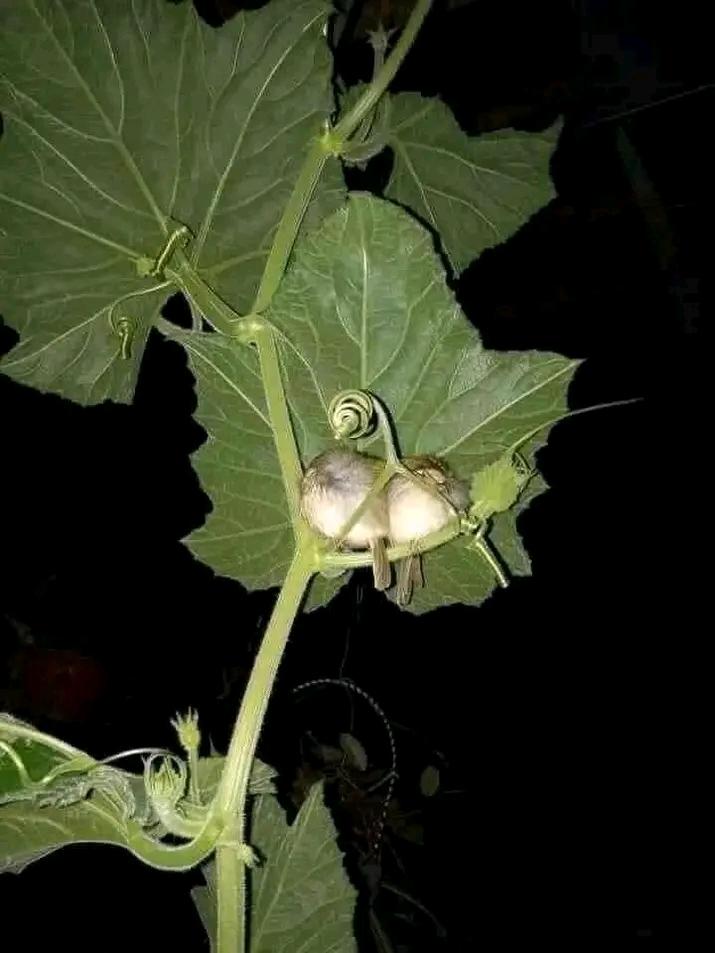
<point>231,933</point>
<point>230,801</point>
<point>259,332</point>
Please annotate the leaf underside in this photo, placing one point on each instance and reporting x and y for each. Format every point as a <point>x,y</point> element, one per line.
<point>364,305</point>
<point>122,119</point>
<point>475,192</point>
<point>301,896</point>
<point>92,180</point>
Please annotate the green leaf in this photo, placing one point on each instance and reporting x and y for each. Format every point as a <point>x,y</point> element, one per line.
<point>321,590</point>
<point>301,896</point>
<point>120,120</point>
<point>475,192</point>
<point>28,833</point>
<point>497,486</point>
<point>45,806</point>
<point>248,534</point>
<point>40,755</point>
<point>211,769</point>
<point>52,794</point>
<point>364,305</point>
<point>504,535</point>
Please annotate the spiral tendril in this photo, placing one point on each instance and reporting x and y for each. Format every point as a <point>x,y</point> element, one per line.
<point>352,414</point>
<point>356,414</point>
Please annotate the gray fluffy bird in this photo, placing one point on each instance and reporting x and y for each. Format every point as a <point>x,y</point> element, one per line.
<point>334,485</point>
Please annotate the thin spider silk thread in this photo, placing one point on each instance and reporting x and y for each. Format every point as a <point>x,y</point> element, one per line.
<point>376,840</point>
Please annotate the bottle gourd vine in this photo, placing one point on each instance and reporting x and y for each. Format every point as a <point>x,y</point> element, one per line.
<point>324,328</point>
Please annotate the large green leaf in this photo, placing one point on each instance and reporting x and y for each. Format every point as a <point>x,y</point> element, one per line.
<point>120,118</point>
<point>474,191</point>
<point>301,896</point>
<point>364,305</point>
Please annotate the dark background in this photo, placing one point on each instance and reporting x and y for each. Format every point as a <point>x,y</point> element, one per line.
<point>565,714</point>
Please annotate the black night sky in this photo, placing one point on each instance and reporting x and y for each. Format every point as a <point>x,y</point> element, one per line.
<point>564,715</point>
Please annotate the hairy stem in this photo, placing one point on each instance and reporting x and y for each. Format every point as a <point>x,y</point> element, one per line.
<point>230,801</point>
<point>231,933</point>
<point>168,857</point>
<point>257,331</point>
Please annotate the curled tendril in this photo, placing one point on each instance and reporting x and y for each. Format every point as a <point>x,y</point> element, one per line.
<point>123,327</point>
<point>352,414</point>
<point>154,267</point>
<point>356,413</point>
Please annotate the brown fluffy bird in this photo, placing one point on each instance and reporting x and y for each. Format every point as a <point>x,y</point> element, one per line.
<point>414,512</point>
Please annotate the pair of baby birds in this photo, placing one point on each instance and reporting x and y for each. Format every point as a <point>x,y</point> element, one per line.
<point>337,481</point>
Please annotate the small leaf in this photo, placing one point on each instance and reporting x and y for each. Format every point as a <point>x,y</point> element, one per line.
<point>209,775</point>
<point>302,898</point>
<point>474,191</point>
<point>503,533</point>
<point>354,750</point>
<point>429,781</point>
<point>496,487</point>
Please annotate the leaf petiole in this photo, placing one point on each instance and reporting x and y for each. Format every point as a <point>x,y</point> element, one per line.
<point>331,142</point>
